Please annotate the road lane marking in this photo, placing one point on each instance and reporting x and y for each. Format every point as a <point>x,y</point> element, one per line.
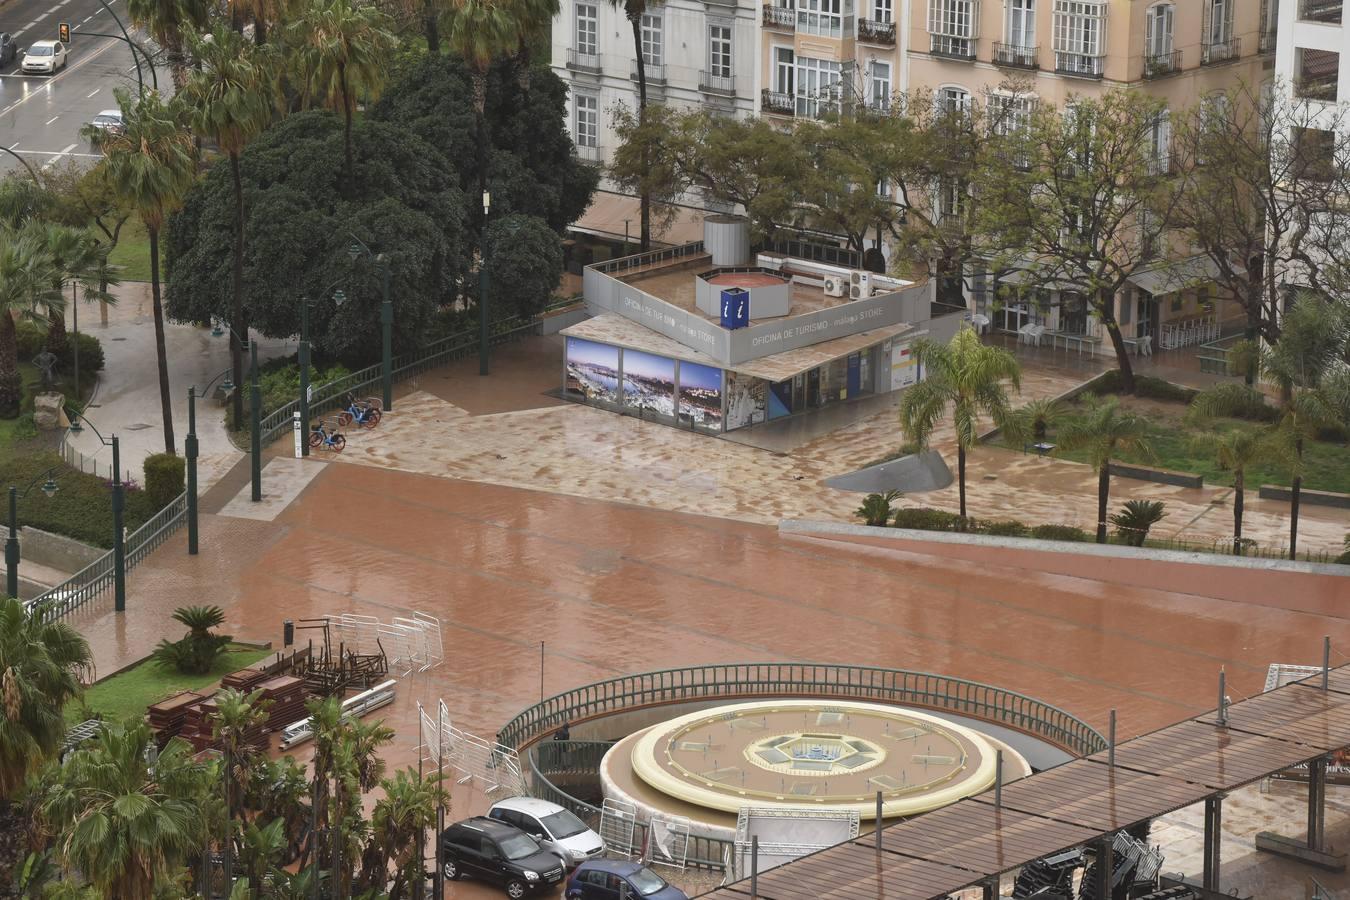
<point>63,73</point>
<point>53,161</point>
<point>52,119</point>
<point>13,145</point>
<point>92,93</point>
<point>85,19</point>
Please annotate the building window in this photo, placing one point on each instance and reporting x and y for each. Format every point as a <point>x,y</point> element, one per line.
<point>1316,74</point>
<point>953,27</point>
<point>586,29</point>
<point>1314,154</point>
<point>587,119</point>
<point>1326,11</point>
<point>1220,27</point>
<point>1010,113</point>
<point>882,11</point>
<point>1158,39</point>
<point>1022,24</point>
<point>822,17</point>
<point>719,50</point>
<point>652,45</point>
<point>784,70</point>
<point>1160,143</point>
<point>949,197</point>
<point>953,99</point>
<point>879,94</point>
<point>1079,35</point>
<point>817,85</point>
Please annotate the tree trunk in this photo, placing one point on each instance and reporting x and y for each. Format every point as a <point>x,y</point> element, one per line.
<point>1103,499</point>
<point>161,355</point>
<point>961,477</point>
<point>11,383</point>
<point>57,341</point>
<point>1252,333</point>
<point>1293,502</point>
<point>431,27</point>
<point>259,32</point>
<point>1239,479</point>
<point>237,294</point>
<point>645,201</point>
<point>346,129</point>
<point>1118,343</point>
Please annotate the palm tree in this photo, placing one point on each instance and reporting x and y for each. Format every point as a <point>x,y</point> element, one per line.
<point>79,260</point>
<point>398,826</point>
<point>151,165</point>
<point>169,23</point>
<point>343,51</point>
<point>1040,415</point>
<point>1105,431</point>
<point>125,826</point>
<point>1237,450</point>
<point>969,377</point>
<point>535,18</point>
<point>240,718</point>
<point>634,10</point>
<point>27,279</point>
<point>232,97</point>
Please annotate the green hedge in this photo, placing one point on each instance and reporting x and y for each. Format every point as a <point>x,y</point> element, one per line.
<point>923,518</point>
<point>1060,533</point>
<point>164,478</point>
<point>31,338</point>
<point>82,506</point>
<point>1144,386</point>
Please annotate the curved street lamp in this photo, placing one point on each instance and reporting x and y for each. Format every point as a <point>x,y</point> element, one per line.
<point>190,453</point>
<point>339,298</point>
<point>49,489</point>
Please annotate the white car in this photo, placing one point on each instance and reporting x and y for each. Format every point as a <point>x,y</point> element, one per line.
<point>45,57</point>
<point>557,829</point>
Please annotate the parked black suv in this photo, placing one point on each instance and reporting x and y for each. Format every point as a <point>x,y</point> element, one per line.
<point>494,851</point>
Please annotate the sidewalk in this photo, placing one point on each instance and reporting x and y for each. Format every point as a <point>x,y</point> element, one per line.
<point>126,400</point>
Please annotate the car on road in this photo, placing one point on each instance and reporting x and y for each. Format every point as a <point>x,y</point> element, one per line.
<point>557,829</point>
<point>611,879</point>
<point>45,57</point>
<point>108,121</point>
<point>500,853</point>
<point>9,48</point>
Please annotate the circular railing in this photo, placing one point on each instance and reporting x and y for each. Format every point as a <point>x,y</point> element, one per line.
<point>731,681</point>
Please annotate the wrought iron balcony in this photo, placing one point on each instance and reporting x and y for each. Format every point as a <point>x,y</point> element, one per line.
<point>583,62</point>
<point>1079,65</point>
<point>1015,56</point>
<point>716,84</point>
<point>1156,65</point>
<point>776,103</point>
<point>1220,51</point>
<point>656,73</point>
<point>589,154</point>
<point>951,47</point>
<point>780,17</point>
<point>873,32</point>
<point>1266,44</point>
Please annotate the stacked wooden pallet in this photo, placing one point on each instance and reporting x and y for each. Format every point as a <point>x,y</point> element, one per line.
<point>166,717</point>
<point>197,724</point>
<point>287,695</point>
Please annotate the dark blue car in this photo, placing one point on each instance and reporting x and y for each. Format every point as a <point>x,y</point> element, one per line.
<point>602,879</point>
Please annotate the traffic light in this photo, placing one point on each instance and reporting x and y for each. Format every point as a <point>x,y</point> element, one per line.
<point>63,32</point>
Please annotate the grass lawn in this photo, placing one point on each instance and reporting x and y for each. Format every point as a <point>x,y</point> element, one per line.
<point>127,695</point>
<point>1327,465</point>
<point>132,252</point>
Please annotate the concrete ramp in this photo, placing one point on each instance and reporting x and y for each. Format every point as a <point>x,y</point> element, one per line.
<point>915,474</point>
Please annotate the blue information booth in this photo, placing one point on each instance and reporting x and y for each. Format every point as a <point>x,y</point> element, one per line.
<point>735,308</point>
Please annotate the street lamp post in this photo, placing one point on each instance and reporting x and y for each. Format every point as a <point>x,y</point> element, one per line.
<point>190,450</point>
<point>255,415</point>
<point>12,542</point>
<point>358,249</point>
<point>483,291</point>
<point>339,298</point>
<point>118,507</point>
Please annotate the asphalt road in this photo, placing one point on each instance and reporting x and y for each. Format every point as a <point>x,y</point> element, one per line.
<point>41,115</point>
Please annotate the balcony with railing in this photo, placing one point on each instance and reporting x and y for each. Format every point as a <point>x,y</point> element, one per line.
<point>784,17</point>
<point>1328,12</point>
<point>655,72</point>
<point>711,83</point>
<point>949,47</point>
<point>583,62</point>
<point>871,31</point>
<point>1079,65</point>
<point>1016,56</point>
<point>776,103</point>
<point>1215,52</point>
<point>589,153</point>
<point>1266,43</point>
<point>1158,65</point>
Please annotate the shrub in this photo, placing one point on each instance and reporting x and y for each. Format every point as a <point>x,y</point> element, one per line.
<point>195,653</point>
<point>1004,528</point>
<point>1135,519</point>
<point>164,474</point>
<point>1060,533</point>
<point>81,508</point>
<point>923,518</point>
<point>1144,386</point>
<point>91,354</point>
<point>876,508</point>
<point>30,338</point>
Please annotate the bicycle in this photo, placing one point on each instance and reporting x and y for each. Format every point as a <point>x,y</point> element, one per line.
<point>365,413</point>
<point>323,439</point>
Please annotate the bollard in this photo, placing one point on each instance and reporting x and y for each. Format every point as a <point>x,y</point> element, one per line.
<point>287,633</point>
<point>1223,700</point>
<point>1326,663</point>
<point>1111,741</point>
<point>754,867</point>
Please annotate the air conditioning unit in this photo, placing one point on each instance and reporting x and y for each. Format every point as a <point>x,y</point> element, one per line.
<point>835,286</point>
<point>860,285</point>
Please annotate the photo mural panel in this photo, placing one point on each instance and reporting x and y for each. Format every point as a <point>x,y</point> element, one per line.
<point>649,383</point>
<point>700,396</point>
<point>747,400</point>
<point>592,372</point>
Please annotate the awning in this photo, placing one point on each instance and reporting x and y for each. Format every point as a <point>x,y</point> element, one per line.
<point>1176,276</point>
<point>608,212</point>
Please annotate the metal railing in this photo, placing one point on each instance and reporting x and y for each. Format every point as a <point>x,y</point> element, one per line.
<point>585,62</point>
<point>655,72</point>
<point>780,679</point>
<point>780,17</point>
<point>777,103</point>
<point>1080,65</point>
<point>588,153</point>
<point>555,760</point>
<point>716,84</point>
<point>1156,65</point>
<point>650,258</point>
<point>1220,51</point>
<point>1327,11</point>
<point>871,31</point>
<point>951,47</point>
<point>1014,55</point>
<point>97,577</point>
<point>88,464</point>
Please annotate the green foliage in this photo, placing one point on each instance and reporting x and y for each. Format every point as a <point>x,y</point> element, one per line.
<point>524,262</point>
<point>1135,519</point>
<point>1060,533</point>
<point>1003,528</point>
<point>30,338</point>
<point>81,509</point>
<point>164,478</point>
<point>876,508</point>
<point>1110,382</point>
<point>922,518</point>
<point>281,385</point>
<point>127,694</point>
<point>196,652</point>
<point>91,354</point>
<point>1040,415</point>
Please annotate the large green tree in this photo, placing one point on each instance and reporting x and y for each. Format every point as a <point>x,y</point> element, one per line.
<point>967,377</point>
<point>524,260</point>
<point>28,290</point>
<point>171,23</point>
<point>1236,450</point>
<point>1105,431</point>
<point>150,165</point>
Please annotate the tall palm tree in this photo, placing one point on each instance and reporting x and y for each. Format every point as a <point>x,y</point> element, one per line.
<point>170,22</point>
<point>343,50</point>
<point>535,21</point>
<point>239,719</point>
<point>151,165</point>
<point>125,826</point>
<point>398,824</point>
<point>79,260</point>
<point>1237,450</point>
<point>634,10</point>
<point>232,98</point>
<point>26,292</point>
<point>1106,431</point>
<point>971,379</point>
